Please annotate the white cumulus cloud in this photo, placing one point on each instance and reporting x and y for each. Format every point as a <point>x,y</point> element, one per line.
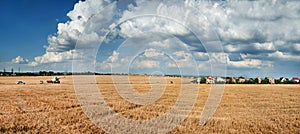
<point>152,53</point>
<point>258,33</point>
<point>113,58</point>
<point>20,60</point>
<point>150,64</point>
<point>284,56</point>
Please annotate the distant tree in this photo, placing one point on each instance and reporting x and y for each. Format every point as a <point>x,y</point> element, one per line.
<point>203,80</point>
<point>50,73</point>
<point>227,82</point>
<point>42,73</point>
<point>250,81</point>
<point>255,81</point>
<point>59,73</point>
<point>277,81</point>
<point>288,82</point>
<point>265,81</point>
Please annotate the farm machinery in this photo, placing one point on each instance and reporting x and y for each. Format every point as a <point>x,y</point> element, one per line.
<point>54,80</point>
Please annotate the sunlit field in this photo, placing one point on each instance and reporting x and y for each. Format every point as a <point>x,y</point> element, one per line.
<point>36,107</point>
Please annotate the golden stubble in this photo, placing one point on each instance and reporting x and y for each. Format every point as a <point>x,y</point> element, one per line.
<point>35,107</point>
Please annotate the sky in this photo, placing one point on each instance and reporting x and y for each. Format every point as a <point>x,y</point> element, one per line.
<point>223,38</point>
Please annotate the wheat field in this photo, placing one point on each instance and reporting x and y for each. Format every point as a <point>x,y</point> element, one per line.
<point>34,107</point>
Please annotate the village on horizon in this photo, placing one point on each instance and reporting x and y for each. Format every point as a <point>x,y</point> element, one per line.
<point>197,79</point>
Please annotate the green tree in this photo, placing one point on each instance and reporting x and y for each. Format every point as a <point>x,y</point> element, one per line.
<point>250,81</point>
<point>277,81</point>
<point>265,81</point>
<point>42,73</point>
<point>256,81</point>
<point>50,73</point>
<point>203,80</point>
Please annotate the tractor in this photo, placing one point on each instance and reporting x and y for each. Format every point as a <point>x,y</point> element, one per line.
<point>55,80</point>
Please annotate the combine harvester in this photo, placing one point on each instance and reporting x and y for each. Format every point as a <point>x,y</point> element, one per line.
<point>55,80</point>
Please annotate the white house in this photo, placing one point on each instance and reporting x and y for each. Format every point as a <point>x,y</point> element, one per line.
<point>283,80</point>
<point>242,80</point>
<point>258,80</point>
<point>272,81</point>
<point>220,80</point>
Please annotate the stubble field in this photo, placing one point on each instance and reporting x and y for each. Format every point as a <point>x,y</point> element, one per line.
<point>35,107</point>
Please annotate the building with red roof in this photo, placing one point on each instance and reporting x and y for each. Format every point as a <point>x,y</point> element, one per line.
<point>296,79</point>
<point>210,80</point>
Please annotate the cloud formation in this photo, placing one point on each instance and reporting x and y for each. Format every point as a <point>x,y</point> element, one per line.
<point>254,34</point>
<point>150,64</point>
<point>62,44</point>
<point>20,60</point>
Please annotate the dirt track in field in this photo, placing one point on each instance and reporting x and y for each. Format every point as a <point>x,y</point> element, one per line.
<point>35,107</point>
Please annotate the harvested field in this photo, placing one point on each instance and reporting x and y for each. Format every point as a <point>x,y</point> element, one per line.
<point>35,107</point>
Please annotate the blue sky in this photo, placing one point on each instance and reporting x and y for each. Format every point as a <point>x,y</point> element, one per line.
<point>250,38</point>
<point>26,24</point>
